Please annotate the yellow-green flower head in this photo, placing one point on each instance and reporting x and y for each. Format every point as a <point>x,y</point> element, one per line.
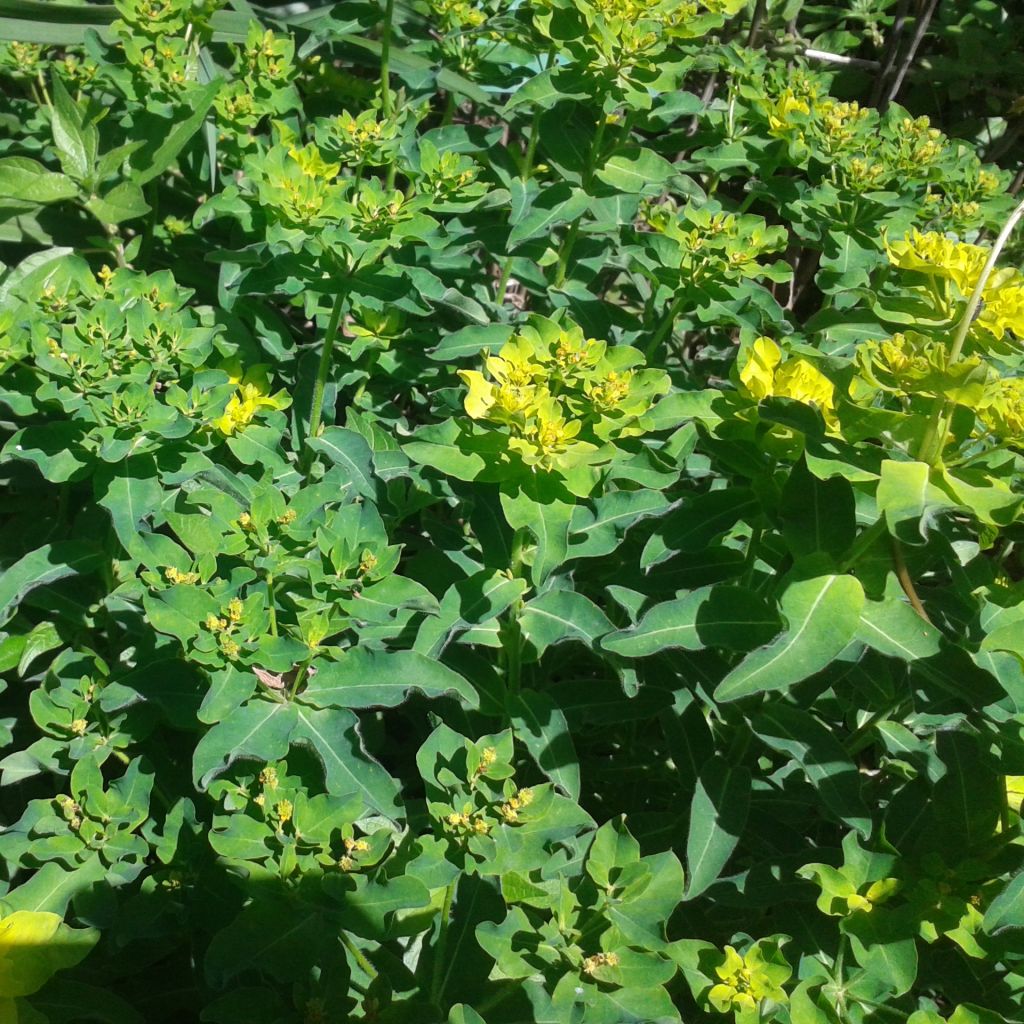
<point>1002,408</point>
<point>786,114</point>
<point>766,375</point>
<point>547,436</point>
<point>1003,305</point>
<point>252,394</point>
<point>746,980</point>
<point>936,255</point>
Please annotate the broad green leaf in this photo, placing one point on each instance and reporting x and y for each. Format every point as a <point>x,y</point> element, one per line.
<point>75,141</point>
<point>558,204</point>
<point>1006,911</point>
<point>541,726</point>
<point>47,564</point>
<point>560,615</point>
<point>123,202</point>
<point>892,627</point>
<point>822,616</point>
<point>817,515</point>
<point>636,170</point>
<point>718,814</point>
<point>717,616</point>
<point>541,507</point>
<point>333,735</point>
<point>824,760</point>
<point>349,450</point>
<point>28,180</point>
<point>148,163</point>
<point>260,730</point>
<point>363,678</point>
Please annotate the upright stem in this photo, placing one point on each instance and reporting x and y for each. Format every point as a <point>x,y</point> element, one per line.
<point>664,329</point>
<point>524,174</point>
<point>574,230</point>
<point>934,440</point>
<point>385,59</point>
<point>438,982</point>
<point>316,410</point>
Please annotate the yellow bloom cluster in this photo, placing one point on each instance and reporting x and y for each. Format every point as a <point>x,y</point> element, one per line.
<point>746,981</point>
<point>174,576</point>
<point>553,388</point>
<point>251,395</point>
<point>592,963</point>
<point>765,374</point>
<point>510,809</point>
<point>944,259</point>
<point>1002,408</point>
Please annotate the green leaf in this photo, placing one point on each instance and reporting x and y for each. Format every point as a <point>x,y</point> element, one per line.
<point>260,730</point>
<point>822,615</point>
<point>471,341</point>
<point>1006,911</point>
<point>718,814</point>
<point>75,141</point>
<point>349,450</point>
<point>540,506</point>
<point>893,628</point>
<point>883,949</point>
<point>363,678</point>
<point>717,616</point>
<point>635,171</point>
<point>542,727</point>
<point>130,492</point>
<point>558,204</point>
<point>123,202</point>
<point>823,758</point>
<point>334,737</point>
<point>47,564</point>
<point>817,515</point>
<point>28,180</point>
<point>560,615</point>
<point>148,163</point>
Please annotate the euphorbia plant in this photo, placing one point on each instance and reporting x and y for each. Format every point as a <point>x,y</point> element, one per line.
<point>512,516</point>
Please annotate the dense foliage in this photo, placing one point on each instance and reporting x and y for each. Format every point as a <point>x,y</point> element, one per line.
<point>511,512</point>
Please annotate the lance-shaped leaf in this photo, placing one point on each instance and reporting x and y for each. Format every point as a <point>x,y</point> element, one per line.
<point>364,678</point>
<point>823,614</point>
<point>718,616</point>
<point>544,508</point>
<point>824,760</point>
<point>540,723</point>
<point>718,813</point>
<point>561,615</point>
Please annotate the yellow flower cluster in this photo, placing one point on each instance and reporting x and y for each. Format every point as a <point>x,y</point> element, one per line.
<point>765,375</point>
<point>223,627</point>
<point>944,259</point>
<point>251,395</point>
<point>552,387</point>
<point>1002,408</point>
<point>746,981</point>
<point>592,963</point>
<point>175,576</point>
<point>510,809</point>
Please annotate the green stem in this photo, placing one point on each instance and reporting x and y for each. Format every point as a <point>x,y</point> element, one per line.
<point>934,441</point>
<point>385,60</point>
<point>316,410</point>
<point>358,955</point>
<point>863,543</point>
<point>570,239</point>
<point>271,604</point>
<point>440,977</point>
<point>664,329</point>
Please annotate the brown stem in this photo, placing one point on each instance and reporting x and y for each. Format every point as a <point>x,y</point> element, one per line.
<point>903,575</point>
<point>908,60</point>
<point>892,45</point>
